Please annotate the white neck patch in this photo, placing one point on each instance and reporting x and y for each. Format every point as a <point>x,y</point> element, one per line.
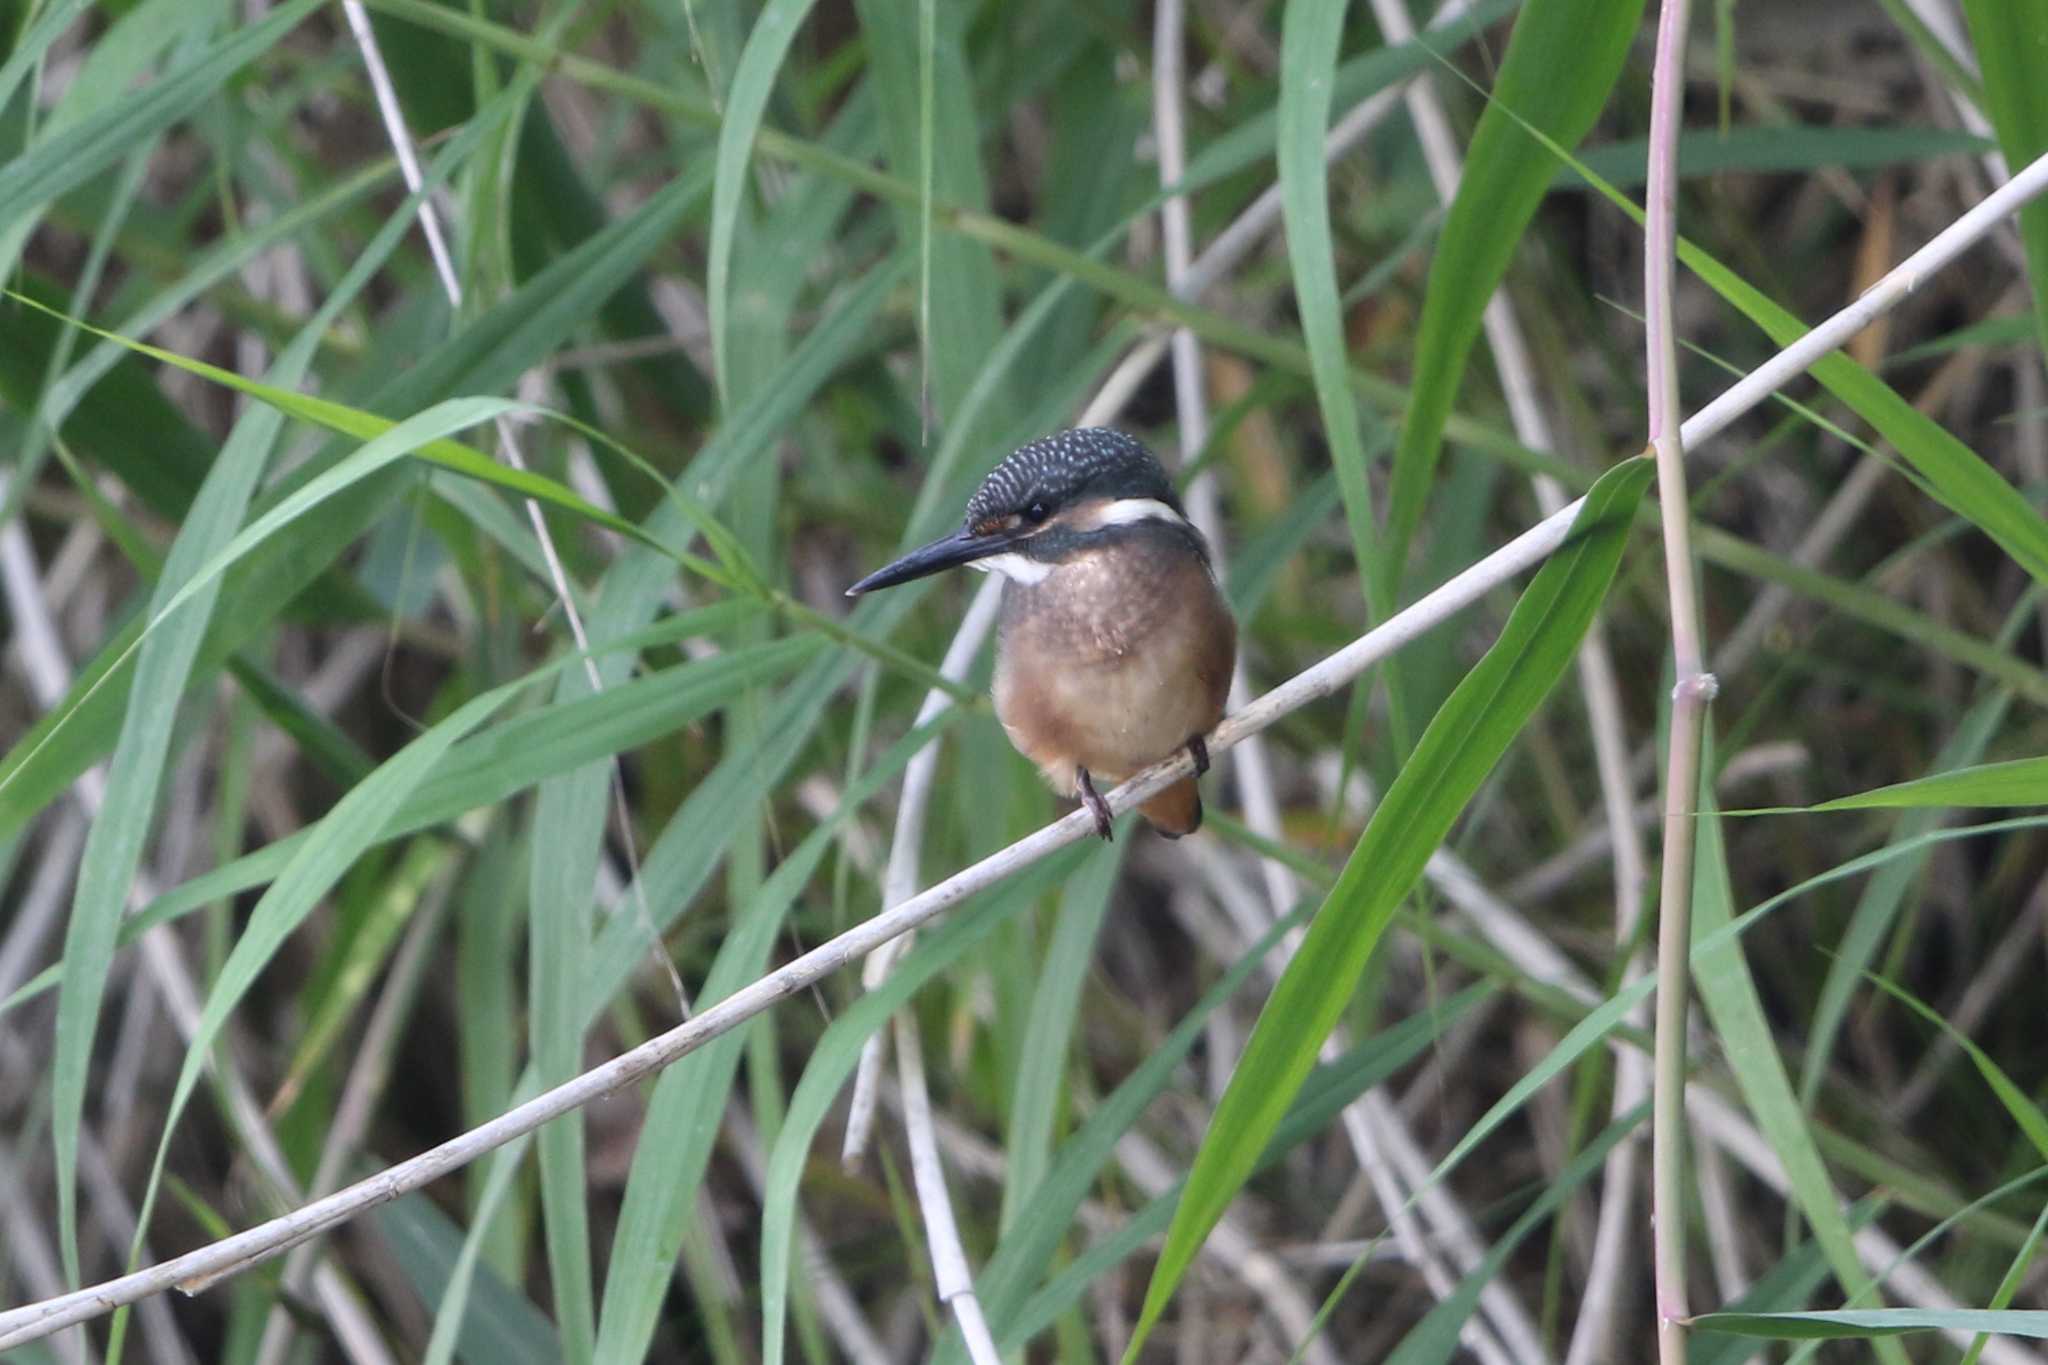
<point>1125,511</point>
<point>1013,566</point>
<point>1020,568</point>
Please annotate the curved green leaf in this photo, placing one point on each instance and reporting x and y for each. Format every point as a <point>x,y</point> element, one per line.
<point>2026,1115</point>
<point>1863,1323</point>
<point>2015,1275</point>
<point>1252,138</point>
<point>836,1054</point>
<point>1883,896</point>
<point>503,761</point>
<point>72,156</point>
<point>344,420</point>
<point>402,440</point>
<point>1562,59</point>
<point>341,836</point>
<point>2011,39</point>
<point>1330,1087</point>
<point>676,1138</point>
<point>1310,39</point>
<point>1948,470</point>
<point>2020,782</point>
<point>753,80</point>
<point>1782,1288</point>
<point>1463,742</point>
<point>1434,1340</point>
<point>168,650</point>
<point>1729,994</point>
<point>491,352</point>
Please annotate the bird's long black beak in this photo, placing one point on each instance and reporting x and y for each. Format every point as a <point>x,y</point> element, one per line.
<point>947,552</point>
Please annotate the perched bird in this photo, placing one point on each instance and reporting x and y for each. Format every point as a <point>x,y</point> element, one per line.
<point>1115,646</point>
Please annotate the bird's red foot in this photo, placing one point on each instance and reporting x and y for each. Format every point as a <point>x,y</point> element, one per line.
<point>1097,807</point>
<point>1198,750</point>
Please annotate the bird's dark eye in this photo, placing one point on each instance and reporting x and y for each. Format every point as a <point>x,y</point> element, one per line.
<point>1036,513</point>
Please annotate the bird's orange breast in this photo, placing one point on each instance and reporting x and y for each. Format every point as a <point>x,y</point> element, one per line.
<point>1115,659</point>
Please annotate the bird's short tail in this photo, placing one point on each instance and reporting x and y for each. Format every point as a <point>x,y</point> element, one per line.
<point>1175,811</point>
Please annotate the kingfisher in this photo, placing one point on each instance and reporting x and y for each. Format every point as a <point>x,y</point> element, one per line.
<point>1114,646</point>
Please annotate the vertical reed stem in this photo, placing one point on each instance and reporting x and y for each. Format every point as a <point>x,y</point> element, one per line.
<point>1689,698</point>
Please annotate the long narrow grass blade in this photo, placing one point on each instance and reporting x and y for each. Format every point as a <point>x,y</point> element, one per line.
<point>114,846</point>
<point>676,1138</point>
<point>1254,137</point>
<point>1729,993</point>
<point>1948,470</point>
<point>2013,60</point>
<point>1561,62</point>
<point>2026,1115</point>
<point>2015,1275</point>
<point>505,1328</point>
<point>2019,782</point>
<point>1329,1089</point>
<point>1049,1025</point>
<point>344,420</point>
<point>1867,1324</point>
<point>1882,898</point>
<point>491,352</point>
<point>562,859</point>
<point>1781,1289</point>
<point>838,1052</point>
<point>753,80</point>
<point>1778,148</point>
<point>1463,742</point>
<point>1434,1340</point>
<point>1859,602</point>
<point>73,155</point>
<point>1029,1243</point>
<point>1308,58</point>
<point>927,104</point>
<point>966,290</point>
<point>335,843</point>
<point>33,42</point>
<point>402,440</point>
<point>181,609</point>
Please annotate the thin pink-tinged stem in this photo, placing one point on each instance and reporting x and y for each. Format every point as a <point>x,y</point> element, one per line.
<point>1689,699</point>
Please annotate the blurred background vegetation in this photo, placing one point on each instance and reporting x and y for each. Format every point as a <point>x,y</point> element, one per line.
<point>778,339</point>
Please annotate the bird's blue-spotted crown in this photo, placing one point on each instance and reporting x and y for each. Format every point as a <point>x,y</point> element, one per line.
<point>1058,471</point>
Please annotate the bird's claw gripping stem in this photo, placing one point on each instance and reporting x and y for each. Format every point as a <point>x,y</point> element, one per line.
<point>1097,807</point>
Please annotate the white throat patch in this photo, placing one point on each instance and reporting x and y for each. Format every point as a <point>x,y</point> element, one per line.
<point>1013,566</point>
